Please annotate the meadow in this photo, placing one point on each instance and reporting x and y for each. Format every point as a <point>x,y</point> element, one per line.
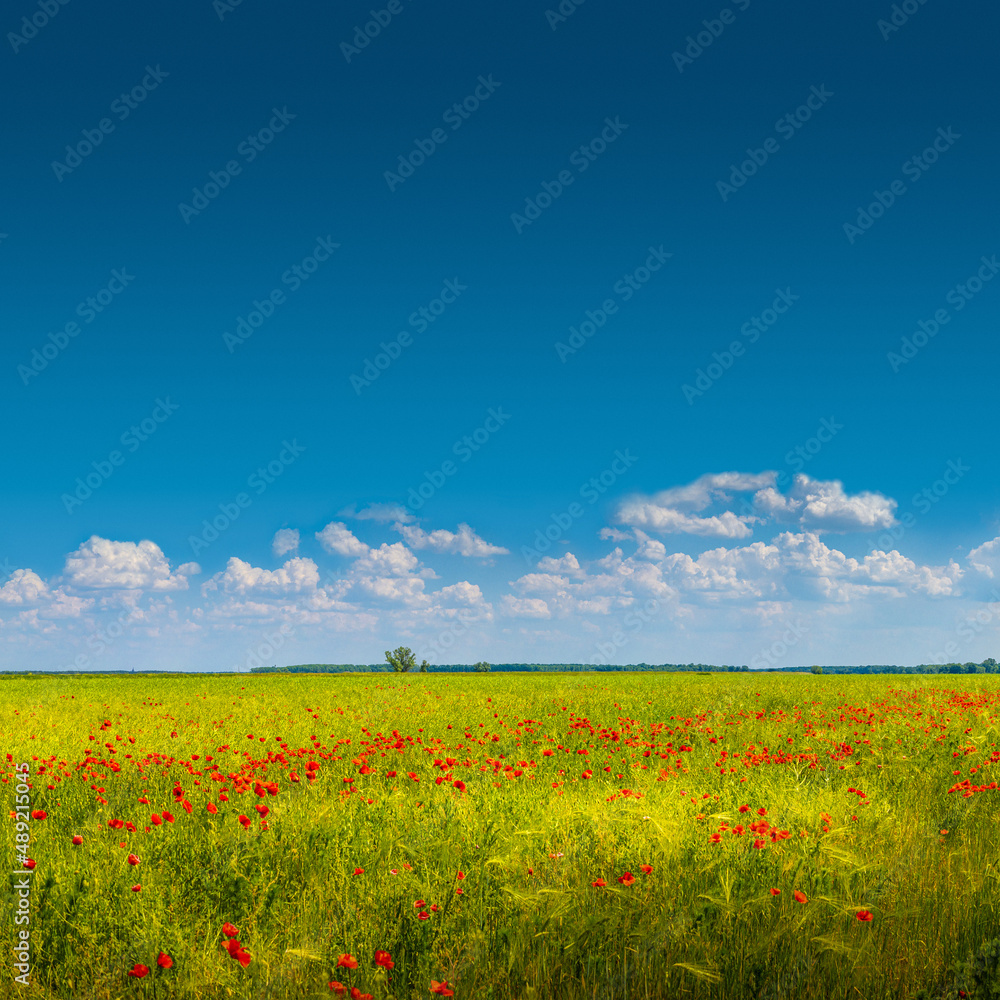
<point>507,837</point>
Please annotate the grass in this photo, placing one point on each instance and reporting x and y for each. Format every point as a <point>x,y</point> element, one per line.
<point>843,785</point>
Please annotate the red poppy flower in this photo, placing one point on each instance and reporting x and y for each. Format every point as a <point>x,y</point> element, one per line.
<point>627,879</point>
<point>600,883</point>
<point>212,808</point>
<point>744,809</point>
<point>864,915</point>
<point>229,930</point>
<point>339,988</point>
<point>77,840</point>
<point>382,958</point>
<point>359,871</point>
<point>156,819</point>
<point>645,869</point>
<point>30,864</point>
<point>139,971</point>
<point>441,988</point>
<point>761,811</point>
<point>164,961</point>
<point>347,962</point>
<point>245,821</point>
<point>800,897</point>
<point>460,875</point>
<point>460,785</point>
<point>167,816</point>
<point>38,814</point>
<point>137,888</point>
<point>263,810</point>
<point>132,860</point>
<point>423,915</point>
<point>775,892</point>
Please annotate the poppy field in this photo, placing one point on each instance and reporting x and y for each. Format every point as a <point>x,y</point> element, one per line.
<point>525,837</point>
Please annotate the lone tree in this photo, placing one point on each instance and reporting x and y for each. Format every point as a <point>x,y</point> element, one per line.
<point>482,667</point>
<point>423,666</point>
<point>402,660</point>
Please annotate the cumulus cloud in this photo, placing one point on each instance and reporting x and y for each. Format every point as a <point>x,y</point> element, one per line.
<point>985,559</point>
<point>239,577</point>
<point>464,542</point>
<point>672,511</point>
<point>524,607</point>
<point>823,506</point>
<point>567,564</point>
<point>24,587</point>
<point>285,540</point>
<point>100,563</point>
<point>337,539</point>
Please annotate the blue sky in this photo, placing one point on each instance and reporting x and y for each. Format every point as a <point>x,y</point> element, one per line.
<point>698,304</point>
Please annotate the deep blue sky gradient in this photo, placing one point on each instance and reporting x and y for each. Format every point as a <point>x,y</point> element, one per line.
<point>655,185</point>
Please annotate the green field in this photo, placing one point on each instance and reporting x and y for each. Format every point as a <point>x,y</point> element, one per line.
<point>641,836</point>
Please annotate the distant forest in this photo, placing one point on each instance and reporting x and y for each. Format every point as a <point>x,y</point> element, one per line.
<point>988,666</point>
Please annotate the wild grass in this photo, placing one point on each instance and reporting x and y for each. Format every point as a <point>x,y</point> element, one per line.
<point>852,774</point>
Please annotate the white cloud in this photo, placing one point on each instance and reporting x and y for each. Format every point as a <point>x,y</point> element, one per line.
<point>295,577</point>
<point>567,564</point>
<point>985,559</point>
<point>816,505</point>
<point>24,587</point>
<point>285,540</point>
<point>464,542</point>
<point>524,607</point>
<point>382,512</point>
<point>670,511</point>
<point>337,539</point>
<point>101,563</point>
<point>639,513</point>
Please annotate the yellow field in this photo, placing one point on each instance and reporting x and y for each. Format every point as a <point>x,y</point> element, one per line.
<point>501,836</point>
